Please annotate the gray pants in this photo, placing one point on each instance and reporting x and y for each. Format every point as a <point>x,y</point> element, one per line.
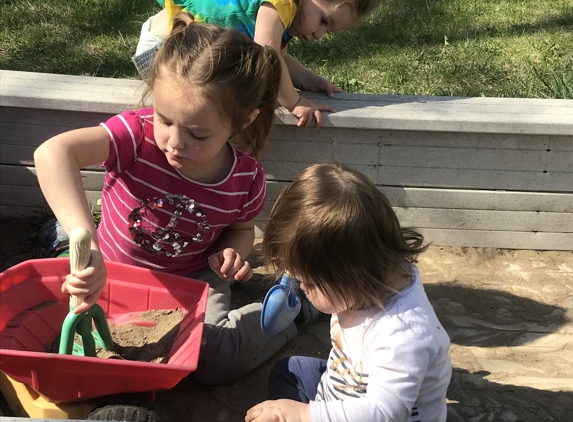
<point>233,342</point>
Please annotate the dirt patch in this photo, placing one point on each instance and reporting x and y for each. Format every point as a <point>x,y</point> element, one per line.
<point>147,338</point>
<point>509,314</point>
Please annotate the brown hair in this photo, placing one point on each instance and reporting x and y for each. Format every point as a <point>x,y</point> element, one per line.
<point>237,74</point>
<point>334,229</point>
<point>361,8</point>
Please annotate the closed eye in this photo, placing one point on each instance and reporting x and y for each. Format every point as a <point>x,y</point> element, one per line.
<point>199,138</point>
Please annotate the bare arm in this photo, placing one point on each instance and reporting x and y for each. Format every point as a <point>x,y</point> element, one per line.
<point>58,162</point>
<point>268,31</point>
<point>306,80</point>
<point>299,74</point>
<point>235,244</point>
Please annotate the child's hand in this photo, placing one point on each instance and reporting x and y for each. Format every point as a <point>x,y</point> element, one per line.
<point>320,84</point>
<point>305,110</point>
<point>229,265</point>
<point>279,411</point>
<point>88,282</point>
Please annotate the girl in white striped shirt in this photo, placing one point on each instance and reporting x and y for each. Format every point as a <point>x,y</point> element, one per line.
<point>336,233</point>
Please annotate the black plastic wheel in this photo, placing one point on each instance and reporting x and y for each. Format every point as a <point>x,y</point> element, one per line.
<point>118,412</point>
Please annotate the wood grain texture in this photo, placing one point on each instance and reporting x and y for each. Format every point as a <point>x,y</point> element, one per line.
<point>494,172</point>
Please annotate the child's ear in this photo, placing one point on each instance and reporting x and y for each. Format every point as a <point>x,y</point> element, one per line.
<point>251,117</point>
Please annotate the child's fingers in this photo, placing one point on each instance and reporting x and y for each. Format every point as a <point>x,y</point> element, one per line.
<point>238,270</point>
<point>89,301</point>
<point>226,263</point>
<point>325,107</point>
<point>78,287</point>
<point>84,274</point>
<point>77,291</point>
<point>244,273</point>
<point>318,117</point>
<point>303,122</point>
<point>214,262</point>
<point>77,283</point>
<point>229,258</point>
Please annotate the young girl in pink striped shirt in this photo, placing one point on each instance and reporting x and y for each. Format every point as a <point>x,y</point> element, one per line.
<point>179,194</point>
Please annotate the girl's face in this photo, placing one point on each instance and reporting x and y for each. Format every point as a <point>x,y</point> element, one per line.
<point>321,301</point>
<point>317,17</point>
<point>188,128</point>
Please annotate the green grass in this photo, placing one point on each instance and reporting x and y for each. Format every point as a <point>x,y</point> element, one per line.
<point>508,48</point>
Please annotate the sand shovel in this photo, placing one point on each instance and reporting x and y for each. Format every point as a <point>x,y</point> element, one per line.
<point>281,306</point>
<point>80,249</point>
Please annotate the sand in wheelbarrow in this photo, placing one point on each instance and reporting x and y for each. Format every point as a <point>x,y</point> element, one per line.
<point>148,338</point>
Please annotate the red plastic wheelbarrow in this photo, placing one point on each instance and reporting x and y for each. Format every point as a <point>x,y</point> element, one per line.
<point>32,309</point>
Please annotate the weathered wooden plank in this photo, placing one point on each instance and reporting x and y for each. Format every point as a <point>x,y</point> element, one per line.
<point>32,134</point>
<point>287,171</point>
<point>42,116</point>
<point>13,211</point>
<point>17,155</point>
<point>67,92</point>
<point>494,239</point>
<point>442,236</point>
<point>423,138</point>
<point>461,168</point>
<point>481,220</point>
<point>471,157</point>
<point>522,221</point>
<point>489,239</point>
<point>464,158</point>
<point>30,196</point>
<point>454,114</point>
<point>463,199</point>
<point>446,237</point>
<point>398,196</point>
<point>549,181</point>
<point>26,176</point>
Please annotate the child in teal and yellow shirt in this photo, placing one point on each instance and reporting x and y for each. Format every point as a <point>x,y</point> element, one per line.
<point>273,23</point>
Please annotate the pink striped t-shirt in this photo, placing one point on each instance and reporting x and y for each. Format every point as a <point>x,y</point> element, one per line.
<point>151,213</point>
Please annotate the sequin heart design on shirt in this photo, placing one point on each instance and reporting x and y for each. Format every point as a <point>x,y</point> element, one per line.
<point>168,235</point>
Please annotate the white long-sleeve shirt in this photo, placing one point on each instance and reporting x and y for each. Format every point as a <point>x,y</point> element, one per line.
<point>387,364</point>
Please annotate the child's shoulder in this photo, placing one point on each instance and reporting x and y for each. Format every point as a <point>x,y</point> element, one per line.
<point>246,160</point>
<point>140,114</point>
<point>286,9</point>
<point>130,127</point>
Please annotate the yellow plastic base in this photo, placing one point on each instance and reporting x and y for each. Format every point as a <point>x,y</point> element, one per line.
<point>27,402</point>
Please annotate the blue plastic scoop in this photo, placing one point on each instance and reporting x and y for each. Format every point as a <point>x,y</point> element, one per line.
<point>281,306</point>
